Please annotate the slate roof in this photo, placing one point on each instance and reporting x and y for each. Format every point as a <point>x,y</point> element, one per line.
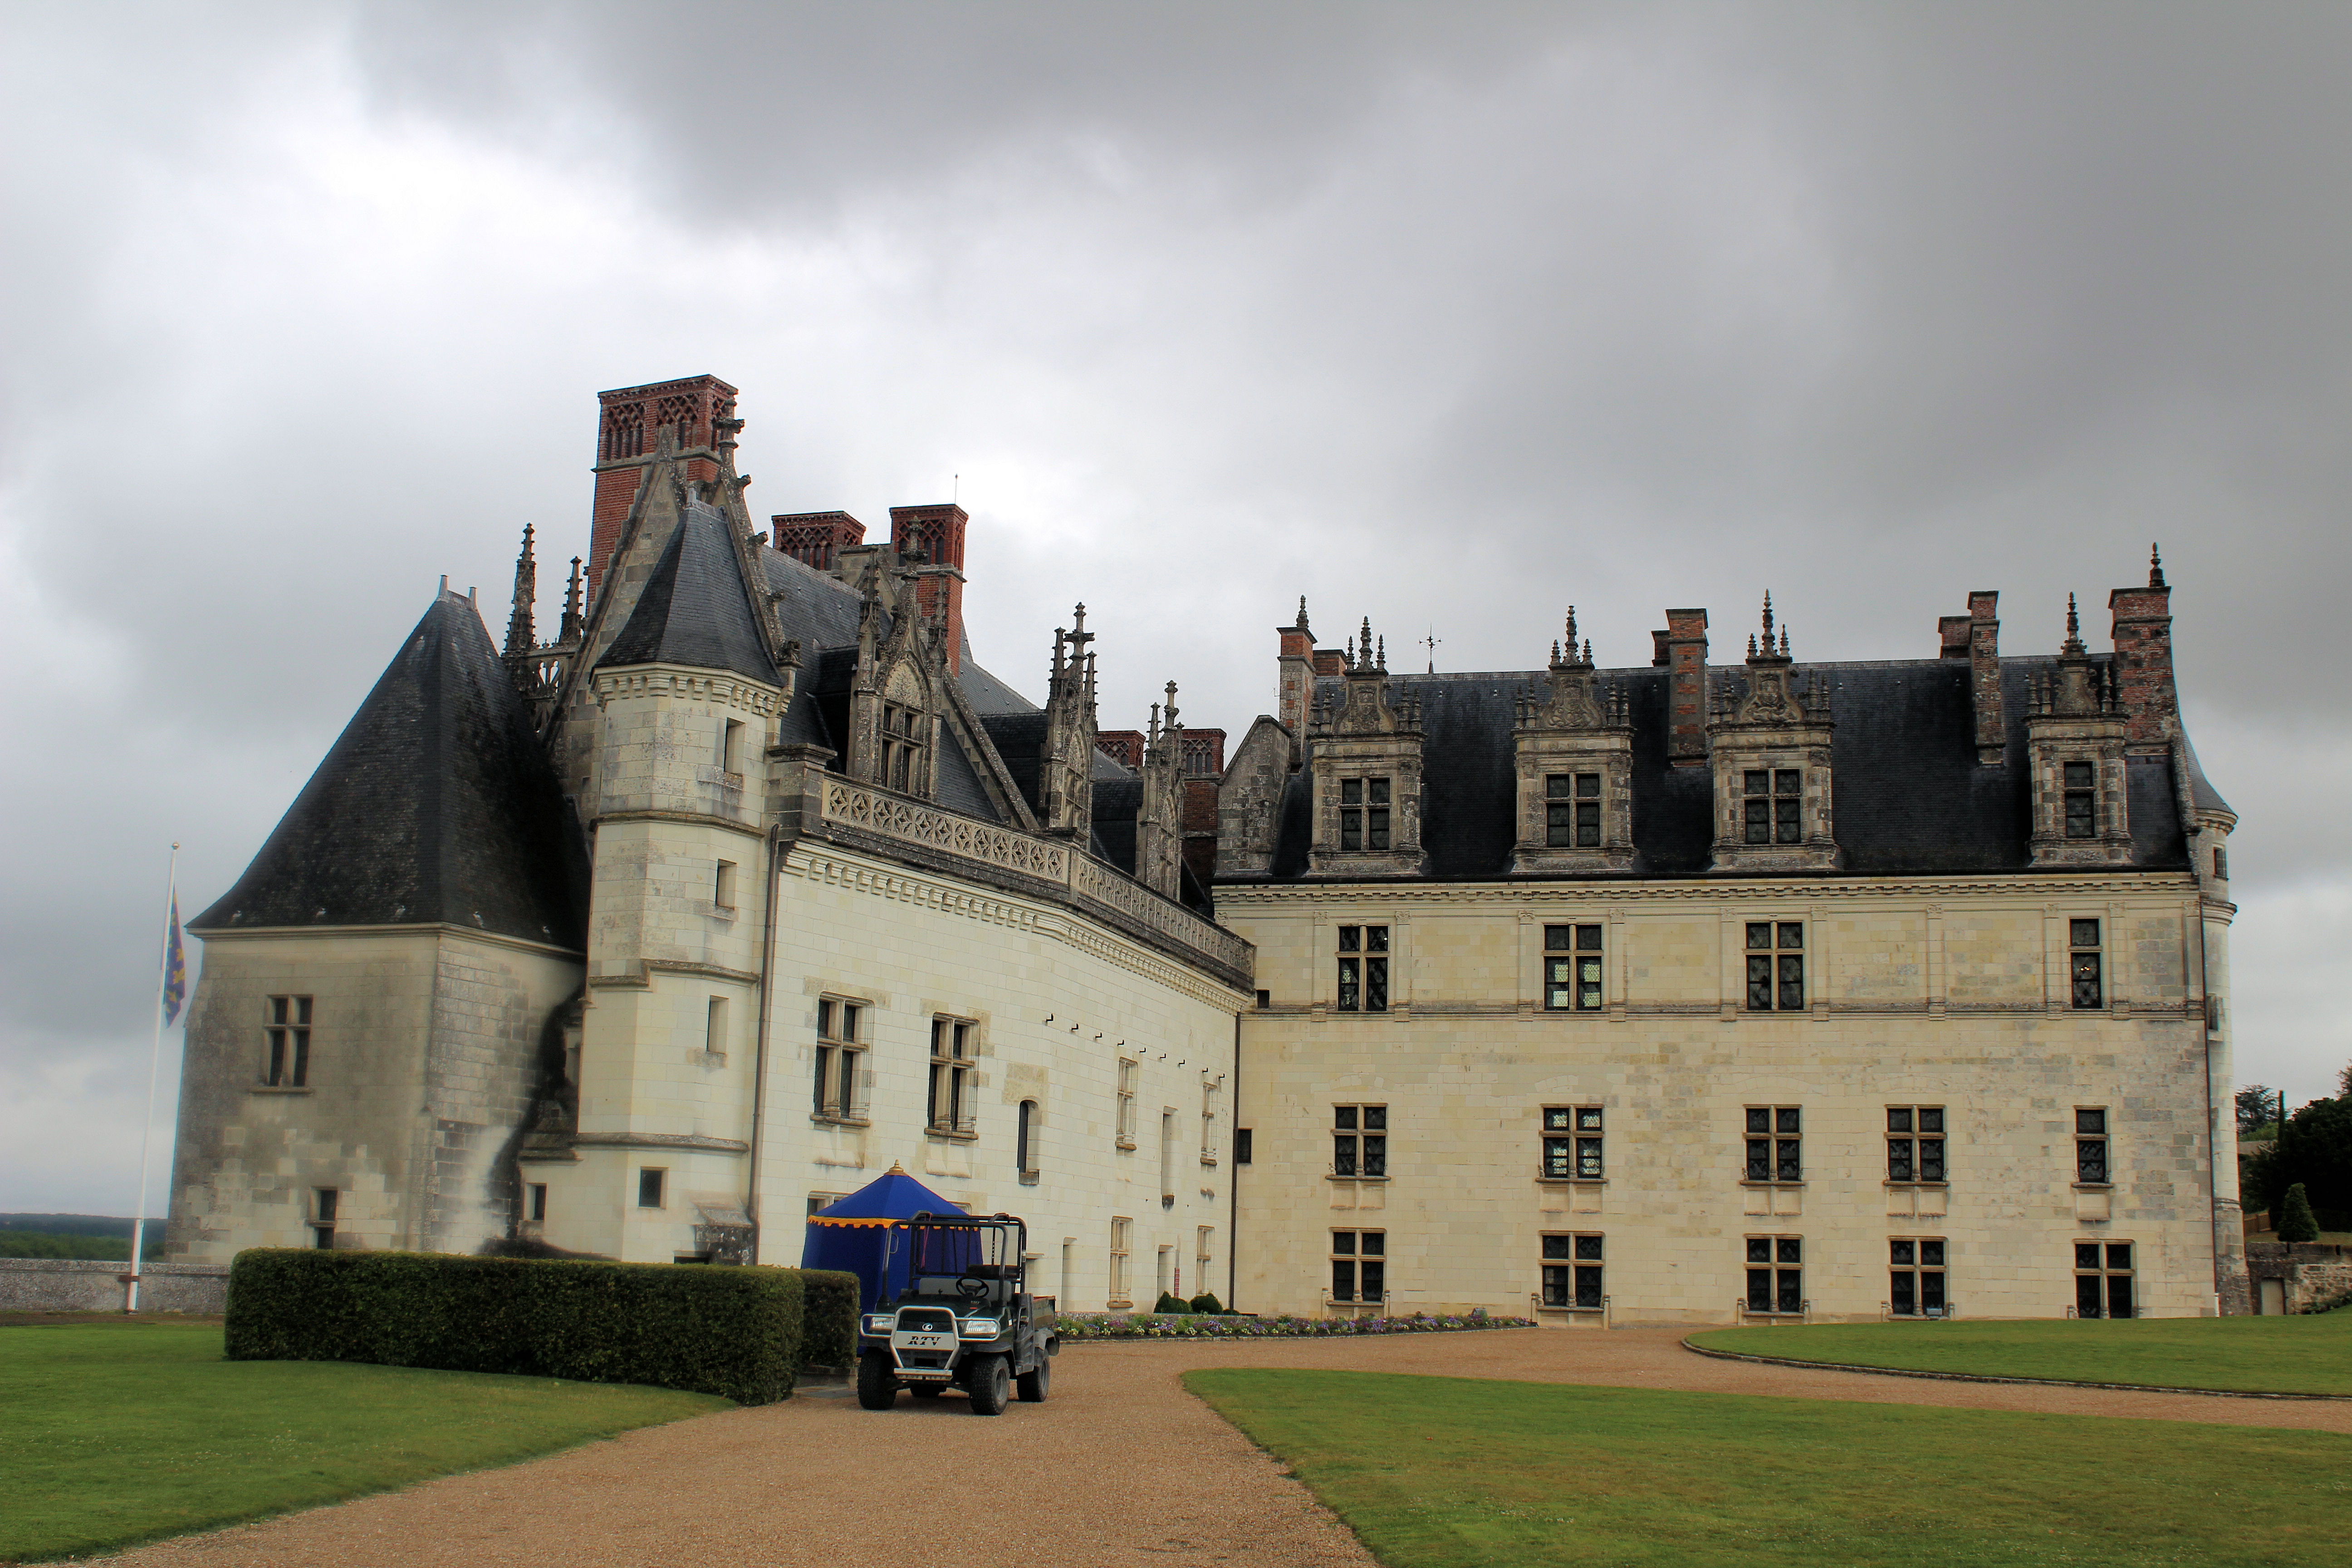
<point>694,610</point>
<point>436,804</point>
<point>1910,797</point>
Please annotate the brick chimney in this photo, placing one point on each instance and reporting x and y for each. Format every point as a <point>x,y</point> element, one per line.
<point>2142,634</point>
<point>930,539</point>
<point>629,425</point>
<point>1952,636</point>
<point>1295,681</point>
<point>815,538</point>
<point>1984,654</point>
<point>1685,642</point>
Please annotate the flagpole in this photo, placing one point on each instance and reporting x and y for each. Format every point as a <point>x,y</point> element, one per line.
<point>154,1070</point>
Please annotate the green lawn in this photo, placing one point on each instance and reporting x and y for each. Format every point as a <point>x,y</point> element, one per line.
<point>1454,1473</point>
<point>2269,1355</point>
<point>112,1433</point>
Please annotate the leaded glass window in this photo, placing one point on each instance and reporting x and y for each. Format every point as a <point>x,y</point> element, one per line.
<point>1364,808</point>
<point>1358,1265</point>
<point>1571,1272</point>
<point>2082,965</point>
<point>1572,811</point>
<point>1773,808</point>
<point>2091,1166</point>
<point>1915,1143</point>
<point>2102,1280</point>
<point>1776,966</point>
<point>1572,957</point>
<point>1775,1143</point>
<point>1915,1277</point>
<point>1776,1279</point>
<point>1360,1141</point>
<point>2081,800</point>
<point>1363,969</point>
<point>1571,1142</point>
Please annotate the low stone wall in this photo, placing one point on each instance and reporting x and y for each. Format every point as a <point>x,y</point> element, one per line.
<point>77,1285</point>
<point>2313,1275</point>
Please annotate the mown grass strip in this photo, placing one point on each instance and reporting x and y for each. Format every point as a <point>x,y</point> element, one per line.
<point>111,1435</point>
<point>2262,1355</point>
<point>1455,1472</point>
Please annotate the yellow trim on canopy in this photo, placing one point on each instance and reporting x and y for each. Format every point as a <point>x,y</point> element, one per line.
<point>820,1220</point>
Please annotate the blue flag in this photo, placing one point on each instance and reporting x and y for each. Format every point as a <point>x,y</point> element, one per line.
<point>175,968</point>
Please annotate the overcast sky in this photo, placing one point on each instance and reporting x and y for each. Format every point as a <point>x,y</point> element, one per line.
<point>1448,315</point>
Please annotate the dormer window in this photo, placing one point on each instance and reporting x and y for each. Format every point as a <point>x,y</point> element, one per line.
<point>1775,805</point>
<point>1364,814</point>
<point>902,748</point>
<point>1572,811</point>
<point>2081,800</point>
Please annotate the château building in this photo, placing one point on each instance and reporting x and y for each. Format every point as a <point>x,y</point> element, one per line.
<point>1666,991</point>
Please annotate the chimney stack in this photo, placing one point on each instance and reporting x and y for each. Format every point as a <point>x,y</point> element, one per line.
<point>2143,637</point>
<point>929,541</point>
<point>630,422</point>
<point>815,538</point>
<point>1984,675</point>
<point>1685,642</point>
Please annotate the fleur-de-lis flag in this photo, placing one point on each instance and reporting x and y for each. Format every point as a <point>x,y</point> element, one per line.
<point>175,968</point>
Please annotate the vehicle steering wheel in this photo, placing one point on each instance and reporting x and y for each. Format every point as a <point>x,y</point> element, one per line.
<point>971,1288</point>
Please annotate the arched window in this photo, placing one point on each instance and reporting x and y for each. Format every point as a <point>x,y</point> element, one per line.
<point>1024,1145</point>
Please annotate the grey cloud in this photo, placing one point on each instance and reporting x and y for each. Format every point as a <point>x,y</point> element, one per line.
<point>1449,316</point>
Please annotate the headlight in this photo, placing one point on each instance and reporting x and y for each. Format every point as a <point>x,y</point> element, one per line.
<point>981,1328</point>
<point>878,1323</point>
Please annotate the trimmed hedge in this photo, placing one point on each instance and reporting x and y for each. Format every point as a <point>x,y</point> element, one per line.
<point>828,1317</point>
<point>736,1332</point>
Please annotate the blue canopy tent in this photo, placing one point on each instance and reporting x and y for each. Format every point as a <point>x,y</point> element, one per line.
<point>864,1235</point>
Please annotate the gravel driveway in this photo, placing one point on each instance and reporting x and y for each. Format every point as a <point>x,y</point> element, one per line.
<point>1120,1467</point>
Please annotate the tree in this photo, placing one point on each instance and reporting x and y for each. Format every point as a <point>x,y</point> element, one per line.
<point>2296,1221</point>
<point>2257,1103</point>
<point>2314,1149</point>
<point>2343,1082</point>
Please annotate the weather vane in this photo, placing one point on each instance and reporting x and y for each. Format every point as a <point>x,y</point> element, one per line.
<point>1431,642</point>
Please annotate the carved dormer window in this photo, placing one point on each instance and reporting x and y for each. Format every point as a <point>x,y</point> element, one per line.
<point>1769,744</point>
<point>1573,751</point>
<point>1366,774</point>
<point>2076,728</point>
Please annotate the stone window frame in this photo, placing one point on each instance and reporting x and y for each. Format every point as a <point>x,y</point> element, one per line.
<point>1567,1135</point>
<point>1360,1141</point>
<point>1577,948</point>
<point>2100,1263</point>
<point>1129,1070</point>
<point>723,878</point>
<point>1566,1262</point>
<point>322,1208</point>
<point>1025,1122</point>
<point>535,1203</point>
<point>955,1069</point>
<point>1779,1259</point>
<point>1782,1136</point>
<point>901,742</point>
<point>1122,1244</point>
<point>1212,1104</point>
<point>1370,815</point>
<point>1364,954</point>
<point>1906,1146</point>
<point>1917,1268</point>
<point>2095,1154</point>
<point>1365,1258</point>
<point>2082,790</point>
<point>287,1024</point>
<point>2087,977</point>
<point>839,1083</point>
<point>1780,951</point>
<point>1567,803</point>
<point>1773,805</point>
<point>653,1181</point>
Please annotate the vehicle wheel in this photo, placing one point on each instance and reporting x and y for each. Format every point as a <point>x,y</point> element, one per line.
<point>927,1390</point>
<point>1033,1383</point>
<point>991,1386</point>
<point>877,1382</point>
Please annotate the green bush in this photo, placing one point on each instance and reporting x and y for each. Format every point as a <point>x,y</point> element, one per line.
<point>735,1333</point>
<point>1168,1303</point>
<point>2296,1222</point>
<point>1206,1301</point>
<point>828,1317</point>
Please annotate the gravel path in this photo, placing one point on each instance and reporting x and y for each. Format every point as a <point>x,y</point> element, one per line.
<point>1119,1468</point>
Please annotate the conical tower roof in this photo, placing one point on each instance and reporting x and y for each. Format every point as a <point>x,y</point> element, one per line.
<point>695,609</point>
<point>437,804</point>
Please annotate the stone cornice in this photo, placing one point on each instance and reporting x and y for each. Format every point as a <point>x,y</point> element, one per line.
<point>693,685</point>
<point>642,975</point>
<point>496,939</point>
<point>2063,885</point>
<point>688,818</point>
<point>687,1141</point>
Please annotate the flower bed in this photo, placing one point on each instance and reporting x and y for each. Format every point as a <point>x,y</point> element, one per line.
<point>1200,1326</point>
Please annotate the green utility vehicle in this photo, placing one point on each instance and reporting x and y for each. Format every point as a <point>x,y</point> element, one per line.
<point>964,1319</point>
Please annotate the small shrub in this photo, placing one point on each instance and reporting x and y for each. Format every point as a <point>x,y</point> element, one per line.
<point>828,1317</point>
<point>2295,1220</point>
<point>1206,1301</point>
<point>735,1333</point>
<point>1168,1303</point>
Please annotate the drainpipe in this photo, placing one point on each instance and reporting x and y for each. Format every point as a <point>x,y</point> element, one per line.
<point>760,1041</point>
<point>1234,1184</point>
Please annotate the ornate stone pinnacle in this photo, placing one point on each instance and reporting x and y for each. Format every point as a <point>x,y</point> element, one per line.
<point>2154,567</point>
<point>2073,629</point>
<point>1768,620</point>
<point>1302,612</point>
<point>1382,662</point>
<point>1751,644</point>
<point>1784,641</point>
<point>1078,620</point>
<point>1588,650</point>
<point>1571,631</point>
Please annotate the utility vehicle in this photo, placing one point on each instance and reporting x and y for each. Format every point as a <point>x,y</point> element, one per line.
<point>964,1319</point>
